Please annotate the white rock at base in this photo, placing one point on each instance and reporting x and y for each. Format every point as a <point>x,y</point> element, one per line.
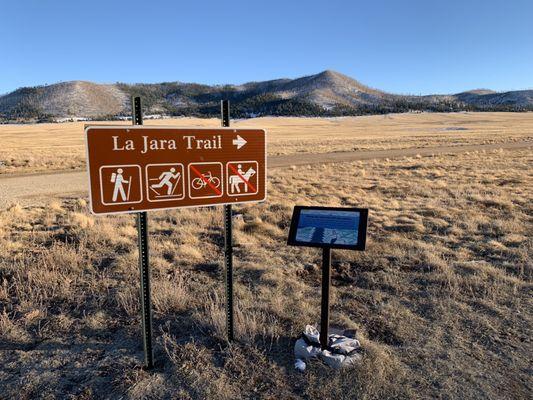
<point>299,365</point>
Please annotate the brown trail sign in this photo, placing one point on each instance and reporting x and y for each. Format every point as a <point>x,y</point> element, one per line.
<point>143,168</point>
<point>133,170</point>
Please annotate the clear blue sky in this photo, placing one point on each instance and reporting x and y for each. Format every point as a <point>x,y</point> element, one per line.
<point>411,46</point>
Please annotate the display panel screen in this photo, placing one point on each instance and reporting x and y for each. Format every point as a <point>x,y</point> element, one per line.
<point>329,227</point>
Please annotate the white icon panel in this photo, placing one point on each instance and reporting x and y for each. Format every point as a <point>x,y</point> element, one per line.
<point>165,182</point>
<point>123,178</point>
<point>242,178</point>
<point>206,180</point>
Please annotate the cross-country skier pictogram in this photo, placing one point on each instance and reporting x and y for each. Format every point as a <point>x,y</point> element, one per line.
<point>164,182</point>
<point>169,179</point>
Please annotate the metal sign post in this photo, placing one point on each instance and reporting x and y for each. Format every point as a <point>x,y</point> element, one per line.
<point>135,169</point>
<point>144,266</point>
<point>228,244</point>
<point>324,308</point>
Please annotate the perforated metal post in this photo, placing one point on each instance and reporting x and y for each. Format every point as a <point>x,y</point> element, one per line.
<point>228,243</point>
<point>144,266</point>
<point>326,285</point>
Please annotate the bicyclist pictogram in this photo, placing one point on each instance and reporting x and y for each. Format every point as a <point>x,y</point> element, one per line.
<point>205,180</point>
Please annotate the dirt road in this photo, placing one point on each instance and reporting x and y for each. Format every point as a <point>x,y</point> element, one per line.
<point>31,189</point>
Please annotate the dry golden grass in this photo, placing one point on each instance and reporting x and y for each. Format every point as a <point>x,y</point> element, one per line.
<point>441,299</point>
<point>44,147</point>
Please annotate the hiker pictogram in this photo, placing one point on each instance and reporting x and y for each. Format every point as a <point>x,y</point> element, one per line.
<point>118,179</point>
<point>205,180</point>
<point>242,177</point>
<point>120,184</point>
<point>164,182</point>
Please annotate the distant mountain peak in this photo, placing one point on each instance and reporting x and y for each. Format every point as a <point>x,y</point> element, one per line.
<point>331,74</point>
<point>333,77</point>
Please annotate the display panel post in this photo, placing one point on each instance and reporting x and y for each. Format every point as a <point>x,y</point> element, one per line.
<point>326,286</point>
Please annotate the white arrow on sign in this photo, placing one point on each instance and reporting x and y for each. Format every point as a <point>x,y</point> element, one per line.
<point>239,142</point>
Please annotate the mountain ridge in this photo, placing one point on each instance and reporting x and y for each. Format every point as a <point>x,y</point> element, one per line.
<point>328,93</point>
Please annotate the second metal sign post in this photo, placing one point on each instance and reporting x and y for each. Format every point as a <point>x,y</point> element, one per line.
<point>228,243</point>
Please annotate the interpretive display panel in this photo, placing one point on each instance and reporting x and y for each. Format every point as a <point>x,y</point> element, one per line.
<point>333,227</point>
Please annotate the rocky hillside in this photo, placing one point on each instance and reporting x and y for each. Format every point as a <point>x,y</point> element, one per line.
<point>328,93</point>
<point>67,99</point>
<point>489,98</point>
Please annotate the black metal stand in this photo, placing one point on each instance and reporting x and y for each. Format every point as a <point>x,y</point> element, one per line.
<point>144,266</point>
<point>326,285</point>
<point>228,244</point>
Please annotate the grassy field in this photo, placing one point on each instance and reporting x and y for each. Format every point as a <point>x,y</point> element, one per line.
<point>441,299</point>
<point>45,147</point>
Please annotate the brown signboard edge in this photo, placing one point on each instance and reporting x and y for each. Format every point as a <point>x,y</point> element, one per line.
<point>87,127</point>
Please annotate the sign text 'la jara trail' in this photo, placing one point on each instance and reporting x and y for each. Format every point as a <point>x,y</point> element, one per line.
<point>142,168</point>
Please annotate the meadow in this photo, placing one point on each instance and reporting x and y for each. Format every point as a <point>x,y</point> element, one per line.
<point>50,147</point>
<point>441,300</point>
